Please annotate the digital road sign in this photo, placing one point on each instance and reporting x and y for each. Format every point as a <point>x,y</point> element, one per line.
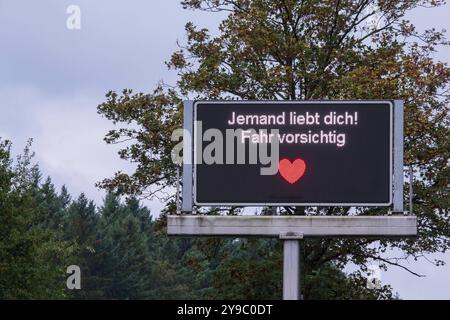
<point>310,153</point>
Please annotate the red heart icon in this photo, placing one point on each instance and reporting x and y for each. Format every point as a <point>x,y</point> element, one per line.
<point>292,171</point>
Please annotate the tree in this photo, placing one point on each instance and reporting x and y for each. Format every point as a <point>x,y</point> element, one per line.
<point>80,227</point>
<point>33,257</point>
<point>333,49</point>
<point>50,203</point>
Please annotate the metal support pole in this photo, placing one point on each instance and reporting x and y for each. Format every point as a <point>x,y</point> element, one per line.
<point>177,197</point>
<point>291,269</point>
<point>186,205</point>
<point>291,265</point>
<point>398,157</point>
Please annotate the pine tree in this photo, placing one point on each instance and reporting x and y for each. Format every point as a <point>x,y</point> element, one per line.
<point>32,257</point>
<point>123,247</point>
<point>80,227</point>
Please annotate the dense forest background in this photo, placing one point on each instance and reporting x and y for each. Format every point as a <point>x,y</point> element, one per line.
<point>124,253</point>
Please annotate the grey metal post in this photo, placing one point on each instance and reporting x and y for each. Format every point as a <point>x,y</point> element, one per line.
<point>411,180</point>
<point>291,269</point>
<point>398,156</point>
<point>177,197</point>
<point>291,265</point>
<point>187,155</point>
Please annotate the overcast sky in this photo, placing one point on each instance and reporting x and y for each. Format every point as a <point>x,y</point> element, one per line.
<point>52,79</point>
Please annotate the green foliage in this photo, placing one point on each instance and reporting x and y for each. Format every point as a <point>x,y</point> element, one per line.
<point>250,269</point>
<point>32,256</point>
<point>123,246</point>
